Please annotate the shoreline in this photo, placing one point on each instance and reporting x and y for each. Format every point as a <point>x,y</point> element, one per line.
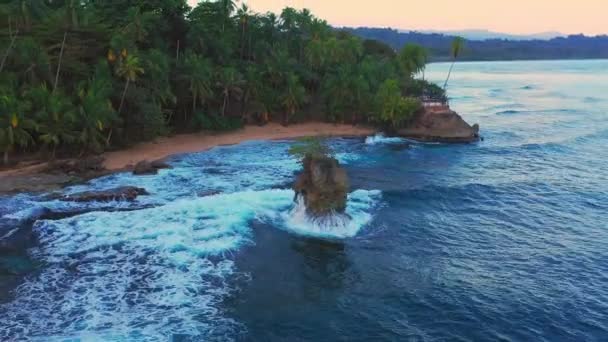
<point>165,147</point>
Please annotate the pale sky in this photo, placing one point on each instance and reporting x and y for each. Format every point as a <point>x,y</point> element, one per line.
<point>509,16</point>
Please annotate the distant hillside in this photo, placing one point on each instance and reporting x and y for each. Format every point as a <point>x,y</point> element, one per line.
<point>486,34</point>
<point>570,47</point>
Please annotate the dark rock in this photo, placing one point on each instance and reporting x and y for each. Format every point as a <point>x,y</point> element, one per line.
<point>441,125</point>
<point>127,193</point>
<point>149,168</point>
<point>159,164</point>
<point>323,185</point>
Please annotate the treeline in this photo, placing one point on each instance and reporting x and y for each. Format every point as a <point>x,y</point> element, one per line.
<point>571,47</point>
<point>82,76</point>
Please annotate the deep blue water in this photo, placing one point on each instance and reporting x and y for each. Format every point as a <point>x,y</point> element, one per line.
<point>505,239</point>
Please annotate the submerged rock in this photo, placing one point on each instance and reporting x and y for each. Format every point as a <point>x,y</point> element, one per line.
<point>149,168</point>
<point>126,193</point>
<point>323,185</point>
<point>440,125</point>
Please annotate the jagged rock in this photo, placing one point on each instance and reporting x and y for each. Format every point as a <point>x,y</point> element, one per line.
<point>127,193</point>
<point>323,185</point>
<point>440,125</point>
<point>149,168</point>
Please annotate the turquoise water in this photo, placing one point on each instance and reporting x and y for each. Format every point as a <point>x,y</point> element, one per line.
<point>505,239</point>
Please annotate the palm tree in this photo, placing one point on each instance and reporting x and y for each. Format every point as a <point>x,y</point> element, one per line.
<point>129,70</point>
<point>412,59</point>
<point>230,81</point>
<point>199,74</point>
<point>14,126</point>
<point>457,47</point>
<point>55,116</point>
<point>95,113</point>
<point>293,97</point>
<point>71,21</point>
<point>243,14</point>
<point>226,9</point>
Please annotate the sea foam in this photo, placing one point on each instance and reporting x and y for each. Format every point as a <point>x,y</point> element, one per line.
<point>150,274</point>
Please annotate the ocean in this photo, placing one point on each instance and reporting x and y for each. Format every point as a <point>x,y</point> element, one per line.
<point>504,239</point>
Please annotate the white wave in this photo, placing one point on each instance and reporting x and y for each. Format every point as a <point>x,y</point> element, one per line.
<point>140,275</point>
<point>347,157</point>
<point>380,138</point>
<point>336,226</point>
<point>146,275</point>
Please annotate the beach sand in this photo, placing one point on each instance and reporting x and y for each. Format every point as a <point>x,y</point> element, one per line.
<point>187,143</point>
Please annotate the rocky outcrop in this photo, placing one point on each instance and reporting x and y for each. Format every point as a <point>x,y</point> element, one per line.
<point>323,185</point>
<point>440,125</point>
<point>149,168</point>
<point>125,193</point>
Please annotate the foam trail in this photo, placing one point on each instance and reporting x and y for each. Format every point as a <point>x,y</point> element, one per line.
<point>358,215</point>
<point>143,275</point>
<point>380,138</point>
<point>150,274</point>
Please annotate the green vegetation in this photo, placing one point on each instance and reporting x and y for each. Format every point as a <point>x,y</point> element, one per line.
<point>312,147</point>
<point>83,76</point>
<point>457,47</point>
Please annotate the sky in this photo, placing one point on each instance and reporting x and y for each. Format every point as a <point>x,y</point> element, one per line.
<point>508,16</point>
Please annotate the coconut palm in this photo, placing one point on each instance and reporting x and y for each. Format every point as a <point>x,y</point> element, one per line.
<point>412,60</point>
<point>55,118</point>
<point>199,75</point>
<point>95,112</point>
<point>230,82</point>
<point>293,97</point>
<point>243,15</point>
<point>457,47</point>
<point>128,69</point>
<point>14,125</point>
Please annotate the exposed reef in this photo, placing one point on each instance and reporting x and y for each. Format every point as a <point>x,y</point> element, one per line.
<point>440,125</point>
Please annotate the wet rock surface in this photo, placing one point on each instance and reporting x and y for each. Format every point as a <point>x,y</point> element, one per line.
<point>125,193</point>
<point>440,125</point>
<point>149,168</point>
<point>323,185</point>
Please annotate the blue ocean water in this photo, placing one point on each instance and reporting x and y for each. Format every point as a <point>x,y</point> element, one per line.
<point>505,239</point>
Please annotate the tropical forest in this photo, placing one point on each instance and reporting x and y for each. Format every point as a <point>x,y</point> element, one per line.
<point>83,77</point>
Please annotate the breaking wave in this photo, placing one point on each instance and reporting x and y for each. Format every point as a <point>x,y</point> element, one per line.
<point>150,274</point>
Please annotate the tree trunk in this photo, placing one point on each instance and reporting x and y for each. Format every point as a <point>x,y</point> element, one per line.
<point>226,99</point>
<point>8,50</point>
<point>124,94</point>
<point>445,85</point>
<point>250,48</point>
<point>193,103</point>
<point>109,137</point>
<point>65,34</point>
<point>177,52</point>
<point>243,41</point>
<point>5,159</point>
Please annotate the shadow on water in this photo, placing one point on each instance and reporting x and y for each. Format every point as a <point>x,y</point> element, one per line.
<point>288,279</point>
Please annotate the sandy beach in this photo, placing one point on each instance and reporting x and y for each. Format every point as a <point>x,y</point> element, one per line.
<point>186,143</point>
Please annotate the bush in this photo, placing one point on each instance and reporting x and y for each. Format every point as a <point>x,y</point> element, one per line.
<point>310,147</point>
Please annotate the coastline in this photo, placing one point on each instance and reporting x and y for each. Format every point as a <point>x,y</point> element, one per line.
<point>35,177</point>
<point>165,147</point>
